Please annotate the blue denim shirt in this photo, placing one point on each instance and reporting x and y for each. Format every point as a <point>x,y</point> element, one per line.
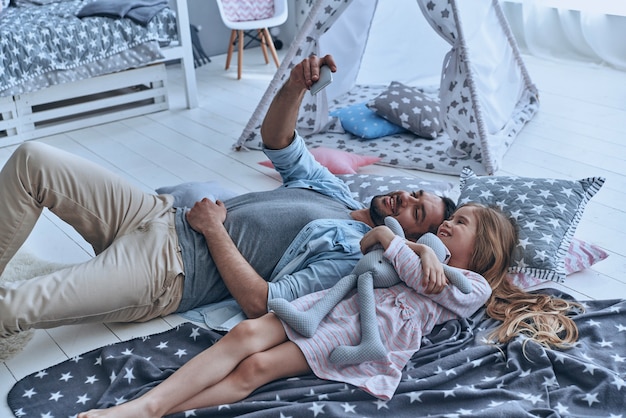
<point>322,253</point>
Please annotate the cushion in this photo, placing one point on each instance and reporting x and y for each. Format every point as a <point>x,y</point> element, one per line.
<point>365,186</point>
<point>581,255</point>
<point>410,108</point>
<point>248,10</point>
<point>363,122</point>
<point>187,194</point>
<point>337,161</point>
<point>547,212</point>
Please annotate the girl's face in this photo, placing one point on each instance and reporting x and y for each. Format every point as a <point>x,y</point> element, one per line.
<point>459,234</point>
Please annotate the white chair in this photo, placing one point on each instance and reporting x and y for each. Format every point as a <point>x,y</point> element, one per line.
<point>238,29</point>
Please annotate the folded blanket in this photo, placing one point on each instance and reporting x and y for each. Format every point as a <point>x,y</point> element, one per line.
<point>140,11</point>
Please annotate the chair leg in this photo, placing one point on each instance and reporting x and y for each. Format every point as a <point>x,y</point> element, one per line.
<point>240,54</point>
<point>270,44</point>
<point>263,45</point>
<point>231,45</point>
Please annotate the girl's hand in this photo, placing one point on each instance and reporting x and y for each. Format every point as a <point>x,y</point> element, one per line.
<point>378,235</point>
<point>433,277</point>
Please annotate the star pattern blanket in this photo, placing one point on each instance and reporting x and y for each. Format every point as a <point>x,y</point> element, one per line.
<point>40,40</point>
<point>456,374</point>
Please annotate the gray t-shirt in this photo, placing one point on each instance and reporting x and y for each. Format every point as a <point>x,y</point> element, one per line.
<point>262,225</point>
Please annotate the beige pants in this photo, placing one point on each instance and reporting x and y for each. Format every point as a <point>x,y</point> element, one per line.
<point>137,272</point>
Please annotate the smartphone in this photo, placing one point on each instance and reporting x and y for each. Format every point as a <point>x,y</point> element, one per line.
<point>326,77</point>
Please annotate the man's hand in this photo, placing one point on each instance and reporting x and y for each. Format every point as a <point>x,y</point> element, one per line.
<point>307,72</point>
<point>207,215</point>
<point>279,124</point>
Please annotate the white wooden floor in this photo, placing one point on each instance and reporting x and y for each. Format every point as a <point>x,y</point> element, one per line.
<point>579,132</point>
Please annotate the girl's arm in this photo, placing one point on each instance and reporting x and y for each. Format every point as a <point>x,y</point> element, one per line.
<point>433,278</point>
<point>409,268</point>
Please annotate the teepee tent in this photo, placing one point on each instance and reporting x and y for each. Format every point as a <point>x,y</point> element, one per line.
<point>459,53</point>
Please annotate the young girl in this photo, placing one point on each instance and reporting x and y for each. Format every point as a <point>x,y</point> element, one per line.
<point>258,351</point>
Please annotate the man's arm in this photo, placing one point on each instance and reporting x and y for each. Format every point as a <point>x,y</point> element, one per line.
<point>277,129</point>
<point>244,283</point>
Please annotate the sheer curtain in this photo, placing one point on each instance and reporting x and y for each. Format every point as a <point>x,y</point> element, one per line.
<point>557,31</point>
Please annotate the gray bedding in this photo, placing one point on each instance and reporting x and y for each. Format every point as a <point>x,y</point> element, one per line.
<point>455,374</point>
<point>46,44</point>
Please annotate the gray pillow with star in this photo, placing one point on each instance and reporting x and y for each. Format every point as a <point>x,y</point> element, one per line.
<point>365,186</point>
<point>547,212</point>
<point>410,108</point>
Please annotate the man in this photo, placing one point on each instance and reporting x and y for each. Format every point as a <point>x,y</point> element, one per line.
<point>153,259</point>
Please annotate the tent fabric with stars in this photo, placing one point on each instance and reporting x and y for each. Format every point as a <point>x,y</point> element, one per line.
<point>457,56</point>
<point>456,373</point>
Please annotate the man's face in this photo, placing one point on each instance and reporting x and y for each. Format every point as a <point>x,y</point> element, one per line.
<point>418,212</point>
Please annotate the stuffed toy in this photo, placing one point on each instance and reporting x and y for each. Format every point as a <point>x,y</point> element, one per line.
<point>372,271</point>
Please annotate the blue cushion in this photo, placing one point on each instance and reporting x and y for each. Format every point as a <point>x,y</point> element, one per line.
<point>363,122</point>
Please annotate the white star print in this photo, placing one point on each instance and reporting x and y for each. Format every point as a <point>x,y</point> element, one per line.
<point>127,352</point>
<point>348,408</point>
<point>162,345</point>
<point>617,358</point>
<point>447,393</point>
<point>180,352</point>
<point>91,379</point>
<point>41,374</point>
<point>591,398</point>
<point>618,382</point>
<point>413,397</point>
<point>190,413</point>
<point>317,409</point>
<point>55,396</point>
<point>550,382</point>
<point>83,399</point>
<point>195,333</point>
<point>605,343</point>
<point>129,374</point>
<point>381,404</point>
<point>29,393</point>
<point>590,368</point>
<point>567,192</point>
<point>562,409</point>
<point>66,376</point>
<point>522,198</point>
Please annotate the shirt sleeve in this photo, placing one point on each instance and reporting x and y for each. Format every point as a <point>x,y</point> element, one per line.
<point>315,277</point>
<point>295,163</point>
<point>409,267</point>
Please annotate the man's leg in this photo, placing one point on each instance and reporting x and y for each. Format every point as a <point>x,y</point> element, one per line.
<point>138,277</point>
<point>99,204</point>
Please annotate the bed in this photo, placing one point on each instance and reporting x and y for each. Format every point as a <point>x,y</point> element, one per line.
<point>59,72</point>
<point>456,373</point>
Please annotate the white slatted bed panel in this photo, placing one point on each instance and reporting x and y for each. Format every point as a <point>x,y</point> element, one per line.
<point>93,101</point>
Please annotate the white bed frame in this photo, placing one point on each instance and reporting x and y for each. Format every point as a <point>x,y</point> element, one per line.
<point>65,107</point>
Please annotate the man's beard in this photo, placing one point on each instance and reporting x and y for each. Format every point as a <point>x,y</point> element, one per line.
<point>377,215</point>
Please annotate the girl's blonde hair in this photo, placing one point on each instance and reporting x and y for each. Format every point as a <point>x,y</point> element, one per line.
<point>542,318</point>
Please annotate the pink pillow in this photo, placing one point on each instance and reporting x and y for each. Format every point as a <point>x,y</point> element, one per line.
<point>581,255</point>
<point>337,161</point>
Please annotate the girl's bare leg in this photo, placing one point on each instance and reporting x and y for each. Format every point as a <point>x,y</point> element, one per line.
<point>203,371</point>
<point>284,360</point>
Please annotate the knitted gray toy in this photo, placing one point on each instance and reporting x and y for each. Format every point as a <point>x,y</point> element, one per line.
<point>373,270</point>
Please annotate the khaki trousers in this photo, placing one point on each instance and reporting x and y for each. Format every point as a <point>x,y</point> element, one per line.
<point>137,273</point>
